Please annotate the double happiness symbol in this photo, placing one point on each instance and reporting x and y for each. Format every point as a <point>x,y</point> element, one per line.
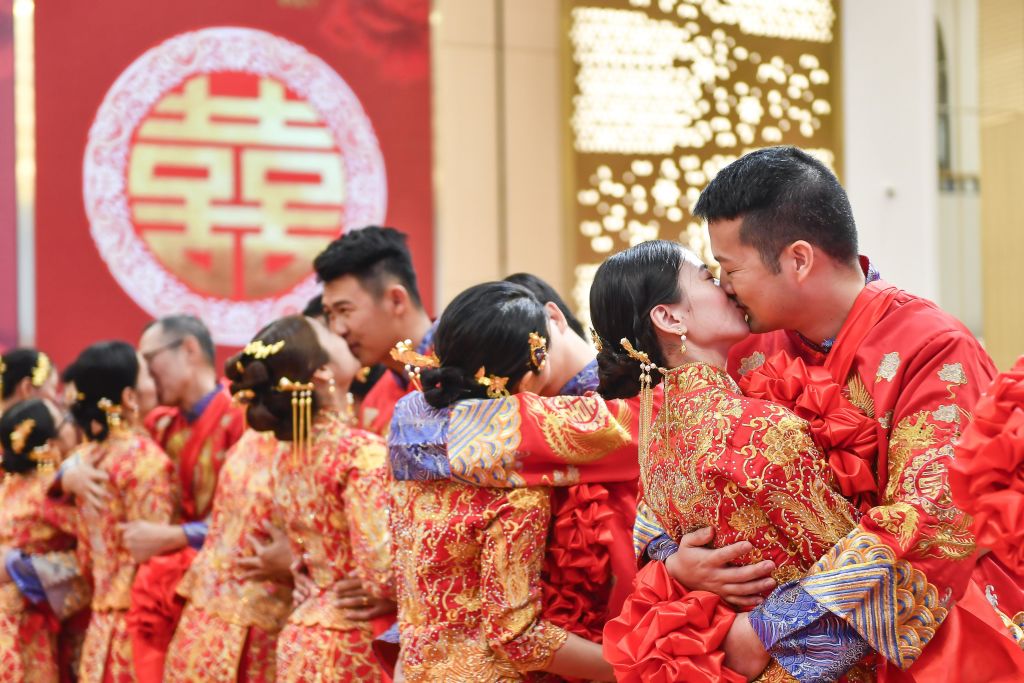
<point>219,164</point>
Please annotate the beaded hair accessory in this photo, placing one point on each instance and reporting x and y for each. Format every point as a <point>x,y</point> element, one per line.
<point>114,413</point>
<point>538,351</point>
<point>496,386</point>
<point>42,370</point>
<point>405,353</point>
<point>302,413</point>
<point>646,393</point>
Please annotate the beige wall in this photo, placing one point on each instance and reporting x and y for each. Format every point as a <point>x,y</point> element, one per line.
<point>498,126</point>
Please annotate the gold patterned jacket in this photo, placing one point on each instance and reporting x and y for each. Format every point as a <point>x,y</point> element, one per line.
<point>215,583</point>
<point>44,530</point>
<point>332,500</point>
<point>141,487</point>
<point>468,559</point>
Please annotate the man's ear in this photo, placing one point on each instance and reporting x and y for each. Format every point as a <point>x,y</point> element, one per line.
<point>799,257</point>
<point>556,315</point>
<point>397,298</point>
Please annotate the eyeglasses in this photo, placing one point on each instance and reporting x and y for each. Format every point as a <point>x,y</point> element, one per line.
<point>148,356</point>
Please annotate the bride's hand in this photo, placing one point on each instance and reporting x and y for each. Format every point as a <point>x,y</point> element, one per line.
<point>711,569</point>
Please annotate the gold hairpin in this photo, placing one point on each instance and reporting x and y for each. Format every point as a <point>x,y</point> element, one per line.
<point>414,362</point>
<point>302,415</point>
<point>538,351</point>
<point>638,356</point>
<point>597,340</point>
<point>20,435</point>
<point>497,387</point>
<point>260,351</point>
<point>42,370</point>
<point>243,396</point>
<point>113,411</point>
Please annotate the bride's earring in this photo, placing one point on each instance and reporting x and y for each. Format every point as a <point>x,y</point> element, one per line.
<point>682,342</point>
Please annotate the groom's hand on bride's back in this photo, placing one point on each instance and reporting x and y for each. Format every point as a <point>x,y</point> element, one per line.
<point>711,569</point>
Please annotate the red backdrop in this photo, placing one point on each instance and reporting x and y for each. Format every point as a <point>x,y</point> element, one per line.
<point>379,47</point>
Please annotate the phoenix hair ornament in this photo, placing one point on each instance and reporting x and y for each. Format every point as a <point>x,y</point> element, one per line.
<point>497,387</point>
<point>596,338</point>
<point>414,362</point>
<point>538,351</point>
<point>302,413</point>
<point>41,370</point>
<point>646,393</point>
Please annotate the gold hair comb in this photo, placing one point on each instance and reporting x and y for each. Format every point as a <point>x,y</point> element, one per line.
<point>597,340</point>
<point>260,351</point>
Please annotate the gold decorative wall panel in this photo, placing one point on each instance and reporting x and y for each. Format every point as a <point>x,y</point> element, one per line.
<point>664,93</point>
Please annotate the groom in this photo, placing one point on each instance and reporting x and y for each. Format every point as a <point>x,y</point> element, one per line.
<point>783,231</point>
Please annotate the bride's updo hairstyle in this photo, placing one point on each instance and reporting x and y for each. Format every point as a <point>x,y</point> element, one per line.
<point>487,326</point>
<point>626,287</point>
<point>285,349</point>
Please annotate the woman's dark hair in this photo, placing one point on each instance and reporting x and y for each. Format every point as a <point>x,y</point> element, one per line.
<point>17,365</point>
<point>626,287</point>
<point>545,293</point>
<point>487,326</point>
<point>102,371</point>
<point>270,410</point>
<point>17,450</point>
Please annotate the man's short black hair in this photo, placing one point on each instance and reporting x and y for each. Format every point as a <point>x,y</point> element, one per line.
<point>181,326</point>
<point>545,293</point>
<point>783,194</point>
<point>314,307</point>
<point>374,255</point>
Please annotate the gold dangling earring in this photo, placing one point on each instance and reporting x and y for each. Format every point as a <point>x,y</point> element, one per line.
<point>682,342</point>
<point>331,388</point>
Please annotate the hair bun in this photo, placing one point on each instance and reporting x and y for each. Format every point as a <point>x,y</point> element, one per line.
<point>618,374</point>
<point>447,385</point>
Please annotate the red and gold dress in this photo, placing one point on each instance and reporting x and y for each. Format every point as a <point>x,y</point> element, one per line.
<point>198,446</point>
<point>332,499</point>
<point>141,487</point>
<point>228,629</point>
<point>750,470</point>
<point>471,518</point>
<point>37,526</point>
